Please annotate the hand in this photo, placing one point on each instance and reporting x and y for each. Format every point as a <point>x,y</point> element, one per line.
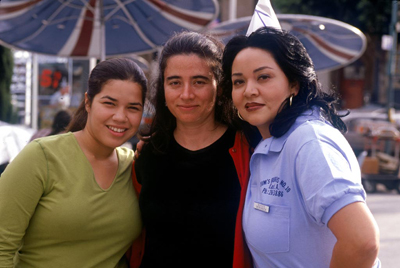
<point>139,147</point>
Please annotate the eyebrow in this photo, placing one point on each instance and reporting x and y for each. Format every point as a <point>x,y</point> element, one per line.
<point>193,77</point>
<point>173,77</point>
<point>256,70</point>
<point>115,100</point>
<point>201,77</point>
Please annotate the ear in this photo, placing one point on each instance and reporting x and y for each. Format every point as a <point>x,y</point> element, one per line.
<point>87,103</point>
<point>294,88</point>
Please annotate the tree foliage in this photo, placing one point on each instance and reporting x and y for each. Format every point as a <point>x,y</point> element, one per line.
<point>7,113</point>
<point>371,16</point>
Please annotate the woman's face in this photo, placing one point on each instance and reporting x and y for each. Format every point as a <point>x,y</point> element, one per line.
<point>115,113</point>
<point>190,90</point>
<point>259,87</point>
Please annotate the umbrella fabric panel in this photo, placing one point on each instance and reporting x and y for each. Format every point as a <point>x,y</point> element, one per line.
<point>342,37</point>
<point>200,5</point>
<point>332,34</point>
<point>332,46</point>
<point>46,22</point>
<point>323,61</point>
<point>73,27</point>
<point>225,32</point>
<point>155,27</point>
<point>122,41</point>
<point>18,28</point>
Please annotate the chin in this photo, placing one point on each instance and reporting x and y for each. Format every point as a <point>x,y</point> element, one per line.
<point>115,143</point>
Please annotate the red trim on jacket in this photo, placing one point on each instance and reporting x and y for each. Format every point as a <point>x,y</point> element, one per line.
<point>240,153</point>
<point>136,251</point>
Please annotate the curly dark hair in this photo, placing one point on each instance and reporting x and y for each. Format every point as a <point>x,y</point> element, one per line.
<point>164,122</point>
<point>293,59</point>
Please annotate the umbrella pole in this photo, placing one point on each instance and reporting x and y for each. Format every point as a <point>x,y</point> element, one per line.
<point>232,9</point>
<point>103,33</point>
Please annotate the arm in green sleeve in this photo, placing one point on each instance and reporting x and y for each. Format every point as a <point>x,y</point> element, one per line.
<point>21,186</point>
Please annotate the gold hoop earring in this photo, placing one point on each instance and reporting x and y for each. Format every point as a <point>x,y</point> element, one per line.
<point>291,100</point>
<point>241,118</point>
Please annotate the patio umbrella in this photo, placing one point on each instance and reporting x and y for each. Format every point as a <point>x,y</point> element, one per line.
<point>330,43</point>
<point>83,28</point>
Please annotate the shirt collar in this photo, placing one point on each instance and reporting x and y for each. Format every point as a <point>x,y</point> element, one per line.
<point>276,144</point>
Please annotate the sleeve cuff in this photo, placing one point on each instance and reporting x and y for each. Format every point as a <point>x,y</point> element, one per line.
<point>339,204</point>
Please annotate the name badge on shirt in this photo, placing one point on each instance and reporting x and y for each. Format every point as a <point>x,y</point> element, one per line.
<point>261,207</point>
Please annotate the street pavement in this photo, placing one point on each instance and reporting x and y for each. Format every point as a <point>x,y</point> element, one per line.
<point>385,206</point>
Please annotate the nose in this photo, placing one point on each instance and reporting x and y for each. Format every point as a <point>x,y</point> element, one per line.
<point>250,90</point>
<point>120,115</point>
<point>187,91</point>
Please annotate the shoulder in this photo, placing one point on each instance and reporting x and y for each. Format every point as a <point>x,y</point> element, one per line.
<point>49,143</point>
<point>32,148</point>
<point>315,130</point>
<point>318,140</point>
<point>56,140</point>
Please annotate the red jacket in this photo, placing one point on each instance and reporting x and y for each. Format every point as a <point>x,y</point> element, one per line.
<point>240,154</point>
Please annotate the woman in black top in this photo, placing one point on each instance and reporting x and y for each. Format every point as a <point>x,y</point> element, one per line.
<point>191,190</point>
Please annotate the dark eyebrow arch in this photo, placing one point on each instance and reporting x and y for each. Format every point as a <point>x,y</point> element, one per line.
<point>193,77</point>
<point>236,74</point>
<point>173,77</point>
<point>115,100</point>
<point>201,77</point>
<point>256,70</point>
<point>135,103</point>
<point>261,68</point>
<point>108,97</point>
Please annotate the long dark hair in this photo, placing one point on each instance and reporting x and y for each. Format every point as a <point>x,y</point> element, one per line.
<point>124,69</point>
<point>185,43</point>
<point>293,59</point>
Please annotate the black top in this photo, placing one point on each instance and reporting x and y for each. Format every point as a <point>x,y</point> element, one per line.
<point>189,201</point>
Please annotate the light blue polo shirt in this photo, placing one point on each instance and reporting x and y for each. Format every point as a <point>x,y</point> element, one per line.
<point>298,181</point>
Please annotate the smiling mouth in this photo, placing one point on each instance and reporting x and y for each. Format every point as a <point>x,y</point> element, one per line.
<point>119,130</point>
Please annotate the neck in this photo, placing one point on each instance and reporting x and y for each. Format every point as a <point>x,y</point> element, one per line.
<point>198,137</point>
<point>91,148</point>
<point>264,131</point>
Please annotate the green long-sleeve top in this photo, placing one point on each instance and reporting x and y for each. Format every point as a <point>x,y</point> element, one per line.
<point>54,214</point>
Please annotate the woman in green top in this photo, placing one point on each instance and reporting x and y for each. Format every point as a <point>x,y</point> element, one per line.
<point>67,200</point>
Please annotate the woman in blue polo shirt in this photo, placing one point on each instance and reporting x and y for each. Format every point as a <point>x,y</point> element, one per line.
<point>305,205</point>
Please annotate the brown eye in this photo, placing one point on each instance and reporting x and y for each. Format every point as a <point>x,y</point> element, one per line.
<point>263,77</point>
<point>237,82</point>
